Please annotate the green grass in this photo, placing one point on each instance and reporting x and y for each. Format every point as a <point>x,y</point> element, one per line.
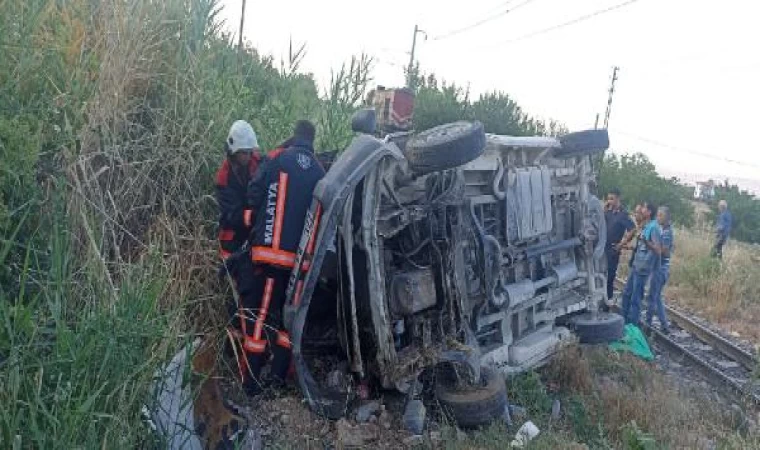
<point>75,374</point>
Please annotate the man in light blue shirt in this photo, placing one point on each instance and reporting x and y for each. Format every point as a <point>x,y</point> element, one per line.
<point>646,253</point>
<point>661,272</point>
<point>722,229</point>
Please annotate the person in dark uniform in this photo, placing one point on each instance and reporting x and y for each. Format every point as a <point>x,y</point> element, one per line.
<point>280,195</point>
<point>619,226</point>
<point>235,218</point>
<point>232,178</point>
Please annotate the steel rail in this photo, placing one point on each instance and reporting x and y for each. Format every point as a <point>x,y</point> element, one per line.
<point>713,339</point>
<point>739,390</point>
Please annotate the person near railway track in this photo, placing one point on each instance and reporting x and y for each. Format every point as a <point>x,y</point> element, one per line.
<point>722,229</point>
<point>619,226</point>
<point>235,218</point>
<point>661,272</point>
<point>645,253</point>
<point>280,194</point>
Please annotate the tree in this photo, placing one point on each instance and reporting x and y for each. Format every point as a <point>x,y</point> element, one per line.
<point>438,103</point>
<point>638,181</point>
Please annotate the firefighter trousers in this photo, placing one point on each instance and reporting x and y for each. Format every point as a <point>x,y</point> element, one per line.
<point>261,320</point>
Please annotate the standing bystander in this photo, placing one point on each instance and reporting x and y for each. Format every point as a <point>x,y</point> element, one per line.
<point>645,253</point>
<point>661,272</point>
<point>618,224</point>
<point>722,229</point>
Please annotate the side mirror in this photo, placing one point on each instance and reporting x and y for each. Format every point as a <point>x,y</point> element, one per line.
<point>364,121</point>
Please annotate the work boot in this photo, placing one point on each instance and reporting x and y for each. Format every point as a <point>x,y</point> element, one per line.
<point>252,387</point>
<point>252,380</point>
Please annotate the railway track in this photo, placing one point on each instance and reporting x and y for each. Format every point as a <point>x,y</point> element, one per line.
<point>724,363</point>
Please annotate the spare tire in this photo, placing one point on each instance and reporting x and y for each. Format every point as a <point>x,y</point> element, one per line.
<point>445,147</point>
<point>582,143</point>
<point>478,405</point>
<point>598,328</point>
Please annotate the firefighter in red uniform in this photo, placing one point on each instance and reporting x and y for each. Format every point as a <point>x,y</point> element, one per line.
<point>235,218</point>
<point>280,195</point>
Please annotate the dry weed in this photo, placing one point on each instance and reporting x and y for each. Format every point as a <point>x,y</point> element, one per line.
<point>628,390</point>
<point>570,371</point>
<point>726,292</point>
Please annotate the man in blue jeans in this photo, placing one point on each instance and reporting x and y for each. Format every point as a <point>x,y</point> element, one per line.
<point>645,256</point>
<point>661,272</point>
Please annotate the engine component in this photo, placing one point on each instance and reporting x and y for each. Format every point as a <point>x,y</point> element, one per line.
<point>537,346</point>
<point>520,292</point>
<point>412,292</point>
<point>529,207</point>
<point>538,250</point>
<point>565,272</point>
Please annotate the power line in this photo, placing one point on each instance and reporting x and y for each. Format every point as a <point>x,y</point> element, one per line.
<point>685,150</point>
<point>579,19</point>
<point>483,21</point>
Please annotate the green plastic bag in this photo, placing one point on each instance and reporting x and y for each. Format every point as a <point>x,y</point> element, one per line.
<point>633,341</point>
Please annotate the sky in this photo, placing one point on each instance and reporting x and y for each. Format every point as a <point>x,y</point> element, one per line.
<point>686,95</point>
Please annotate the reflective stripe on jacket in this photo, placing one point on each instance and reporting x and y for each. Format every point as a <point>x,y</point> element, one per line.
<point>235,218</point>
<point>280,194</point>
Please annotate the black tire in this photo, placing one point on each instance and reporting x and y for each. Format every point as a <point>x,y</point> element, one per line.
<point>583,143</point>
<point>599,328</point>
<point>478,406</point>
<point>445,147</point>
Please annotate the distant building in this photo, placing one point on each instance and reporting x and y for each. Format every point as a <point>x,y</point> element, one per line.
<point>704,190</point>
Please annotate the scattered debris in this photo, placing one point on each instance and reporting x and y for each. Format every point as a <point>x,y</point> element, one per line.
<point>517,412</point>
<point>195,417</point>
<point>435,438</point>
<point>414,440</point>
<point>726,364</point>
<point>556,411</point>
<point>507,417</point>
<point>366,411</point>
<point>385,419</point>
<point>525,434</point>
<point>414,416</point>
<point>337,380</point>
<point>681,334</point>
<point>354,436</point>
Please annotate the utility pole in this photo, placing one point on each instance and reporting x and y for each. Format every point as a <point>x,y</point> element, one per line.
<point>609,99</point>
<point>240,40</point>
<point>240,35</point>
<point>411,56</point>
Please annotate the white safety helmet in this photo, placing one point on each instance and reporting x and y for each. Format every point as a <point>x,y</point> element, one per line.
<point>241,138</point>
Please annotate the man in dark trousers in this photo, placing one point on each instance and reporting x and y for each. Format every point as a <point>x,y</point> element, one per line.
<point>619,225</point>
<point>232,178</point>
<point>722,229</point>
<point>235,218</point>
<point>280,195</point>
